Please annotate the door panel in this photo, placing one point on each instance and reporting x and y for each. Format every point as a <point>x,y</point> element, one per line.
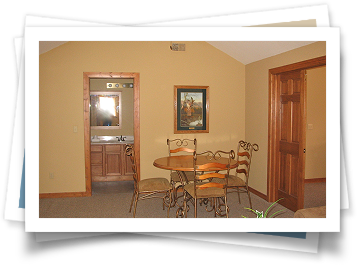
<point>113,164</point>
<point>287,132</point>
<point>289,142</point>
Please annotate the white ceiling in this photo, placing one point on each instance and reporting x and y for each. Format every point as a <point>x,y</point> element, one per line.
<point>45,46</point>
<point>248,52</point>
<point>245,52</point>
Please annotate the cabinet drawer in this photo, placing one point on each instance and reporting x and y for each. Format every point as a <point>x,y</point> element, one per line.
<point>97,170</point>
<point>96,148</point>
<point>113,148</point>
<point>96,158</point>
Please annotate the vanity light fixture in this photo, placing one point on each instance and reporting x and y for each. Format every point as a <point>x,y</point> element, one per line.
<point>119,85</point>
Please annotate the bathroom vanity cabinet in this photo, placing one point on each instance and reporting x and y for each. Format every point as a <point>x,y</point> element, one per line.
<point>109,163</point>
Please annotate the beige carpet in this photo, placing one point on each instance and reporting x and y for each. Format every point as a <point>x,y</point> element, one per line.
<point>112,200</point>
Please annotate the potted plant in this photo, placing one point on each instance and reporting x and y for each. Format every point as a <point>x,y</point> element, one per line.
<point>262,214</point>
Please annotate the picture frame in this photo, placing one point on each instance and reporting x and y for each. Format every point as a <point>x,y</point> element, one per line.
<point>191,109</point>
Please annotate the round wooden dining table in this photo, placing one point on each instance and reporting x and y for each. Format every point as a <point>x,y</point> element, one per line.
<point>185,162</point>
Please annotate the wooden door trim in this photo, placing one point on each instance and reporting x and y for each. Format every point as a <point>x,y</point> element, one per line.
<point>272,121</point>
<point>86,112</point>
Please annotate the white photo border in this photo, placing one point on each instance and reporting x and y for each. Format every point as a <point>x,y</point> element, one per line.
<point>35,34</point>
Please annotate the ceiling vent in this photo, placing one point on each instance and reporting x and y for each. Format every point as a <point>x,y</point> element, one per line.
<point>177,47</point>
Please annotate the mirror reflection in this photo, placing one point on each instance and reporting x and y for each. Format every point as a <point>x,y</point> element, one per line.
<point>105,109</point>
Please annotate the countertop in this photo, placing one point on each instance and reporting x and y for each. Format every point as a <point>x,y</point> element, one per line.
<point>112,142</point>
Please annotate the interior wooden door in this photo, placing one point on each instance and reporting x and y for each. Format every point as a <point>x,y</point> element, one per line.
<point>291,119</point>
<point>287,132</point>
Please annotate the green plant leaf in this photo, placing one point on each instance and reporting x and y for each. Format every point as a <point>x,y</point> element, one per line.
<point>266,212</point>
<point>275,213</point>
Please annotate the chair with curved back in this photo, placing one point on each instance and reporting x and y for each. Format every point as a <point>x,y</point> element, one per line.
<point>148,188</point>
<point>239,181</point>
<point>208,167</point>
<point>181,147</point>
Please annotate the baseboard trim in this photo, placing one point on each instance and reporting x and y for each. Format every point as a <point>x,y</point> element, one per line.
<point>258,193</point>
<point>315,180</point>
<point>64,195</point>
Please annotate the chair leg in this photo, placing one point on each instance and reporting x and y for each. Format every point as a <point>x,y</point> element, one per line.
<point>195,207</point>
<point>250,201</point>
<point>136,203</point>
<point>238,195</point>
<point>168,208</point>
<point>184,205</point>
<point>225,202</point>
<point>132,199</point>
<point>174,192</point>
<point>215,204</point>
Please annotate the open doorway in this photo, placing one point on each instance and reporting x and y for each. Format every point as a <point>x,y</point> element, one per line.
<point>87,76</point>
<point>287,132</point>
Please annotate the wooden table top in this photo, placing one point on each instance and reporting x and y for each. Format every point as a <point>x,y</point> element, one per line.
<point>185,162</point>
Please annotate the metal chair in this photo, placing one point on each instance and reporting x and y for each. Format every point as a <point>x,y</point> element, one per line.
<point>182,147</point>
<point>148,188</point>
<point>239,181</point>
<point>204,187</point>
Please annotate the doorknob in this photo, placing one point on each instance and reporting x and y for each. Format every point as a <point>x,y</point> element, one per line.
<point>304,150</point>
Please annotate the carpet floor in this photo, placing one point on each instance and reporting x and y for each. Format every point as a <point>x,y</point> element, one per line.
<point>112,200</point>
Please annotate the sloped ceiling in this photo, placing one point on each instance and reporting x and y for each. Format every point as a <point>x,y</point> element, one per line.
<point>46,46</point>
<point>248,52</point>
<point>245,52</point>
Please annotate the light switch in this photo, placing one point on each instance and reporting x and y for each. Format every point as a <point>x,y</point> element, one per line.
<point>310,126</point>
<point>75,129</point>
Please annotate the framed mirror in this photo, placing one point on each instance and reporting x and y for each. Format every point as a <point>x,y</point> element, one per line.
<point>105,110</point>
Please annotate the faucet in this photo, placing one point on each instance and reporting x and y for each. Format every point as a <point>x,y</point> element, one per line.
<point>121,138</point>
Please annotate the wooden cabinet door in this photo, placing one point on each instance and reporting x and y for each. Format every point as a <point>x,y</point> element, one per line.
<point>113,160</point>
<point>109,163</point>
<point>113,164</point>
<point>128,170</point>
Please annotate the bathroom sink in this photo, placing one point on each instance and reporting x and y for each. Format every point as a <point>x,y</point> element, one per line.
<point>112,140</point>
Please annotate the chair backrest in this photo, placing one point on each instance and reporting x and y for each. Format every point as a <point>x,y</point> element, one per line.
<point>129,151</point>
<point>181,145</point>
<point>244,157</point>
<point>213,166</point>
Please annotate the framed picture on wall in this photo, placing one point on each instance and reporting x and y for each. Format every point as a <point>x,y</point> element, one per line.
<point>191,108</point>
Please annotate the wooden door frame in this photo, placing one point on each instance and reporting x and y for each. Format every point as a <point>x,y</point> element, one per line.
<point>86,112</point>
<point>272,181</point>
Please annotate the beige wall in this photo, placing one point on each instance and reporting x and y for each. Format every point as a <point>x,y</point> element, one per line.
<point>256,102</point>
<point>315,165</point>
<point>61,101</point>
<point>238,102</point>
